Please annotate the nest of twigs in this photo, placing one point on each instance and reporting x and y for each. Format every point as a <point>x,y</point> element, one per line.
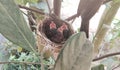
<point>44,41</point>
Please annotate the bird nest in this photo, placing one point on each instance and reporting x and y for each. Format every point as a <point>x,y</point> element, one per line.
<point>44,41</point>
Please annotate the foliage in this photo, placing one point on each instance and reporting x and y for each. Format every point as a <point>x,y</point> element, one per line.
<point>105,22</point>
<point>115,32</point>
<point>21,47</point>
<point>14,27</point>
<point>26,56</point>
<point>98,67</point>
<point>24,2</point>
<point>80,56</point>
<point>110,45</point>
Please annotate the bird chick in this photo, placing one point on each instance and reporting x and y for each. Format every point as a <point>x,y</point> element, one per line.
<point>65,31</point>
<point>52,25</point>
<point>62,28</point>
<point>58,36</point>
<point>51,30</point>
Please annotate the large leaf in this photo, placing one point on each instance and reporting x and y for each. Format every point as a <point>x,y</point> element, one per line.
<point>76,54</point>
<point>14,27</point>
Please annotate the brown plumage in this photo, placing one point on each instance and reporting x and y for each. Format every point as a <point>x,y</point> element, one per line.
<point>87,9</point>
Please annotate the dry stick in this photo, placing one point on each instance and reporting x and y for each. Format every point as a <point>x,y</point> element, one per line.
<point>20,63</point>
<point>116,67</point>
<point>24,7</point>
<point>96,59</point>
<point>28,63</point>
<point>105,56</point>
<point>106,1</point>
<point>73,20</point>
<point>41,57</point>
<point>71,17</point>
<point>75,15</point>
<point>48,6</point>
<point>30,18</point>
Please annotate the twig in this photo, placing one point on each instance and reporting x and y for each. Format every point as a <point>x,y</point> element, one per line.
<point>48,6</point>
<point>71,17</point>
<point>20,63</point>
<point>105,56</point>
<point>75,15</point>
<point>34,10</point>
<point>24,13</point>
<point>24,7</point>
<point>106,1</point>
<point>41,60</point>
<point>28,63</point>
<point>116,67</point>
<point>73,20</point>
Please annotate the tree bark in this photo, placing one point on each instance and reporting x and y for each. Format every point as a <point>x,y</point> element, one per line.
<point>57,7</point>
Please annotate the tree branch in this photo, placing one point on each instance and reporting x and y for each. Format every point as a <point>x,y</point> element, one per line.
<point>116,67</point>
<point>28,63</point>
<point>37,11</point>
<point>20,63</point>
<point>75,15</point>
<point>48,6</point>
<point>105,56</point>
<point>34,10</point>
<point>71,17</point>
<point>106,1</point>
<point>57,7</point>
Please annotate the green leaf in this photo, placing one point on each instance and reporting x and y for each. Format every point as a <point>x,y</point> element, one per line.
<point>98,67</point>
<point>76,54</point>
<point>25,1</point>
<point>14,27</point>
